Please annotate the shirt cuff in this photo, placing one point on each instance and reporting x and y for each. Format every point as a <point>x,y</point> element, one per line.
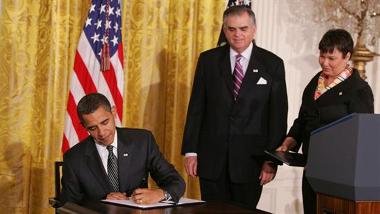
<point>190,154</point>
<point>167,196</point>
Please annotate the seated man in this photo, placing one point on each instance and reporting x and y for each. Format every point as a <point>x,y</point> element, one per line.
<point>91,172</point>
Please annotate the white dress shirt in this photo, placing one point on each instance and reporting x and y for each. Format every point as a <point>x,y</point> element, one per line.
<point>244,61</point>
<point>103,152</point>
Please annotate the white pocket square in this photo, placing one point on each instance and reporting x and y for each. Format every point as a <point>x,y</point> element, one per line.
<point>255,70</point>
<point>261,81</point>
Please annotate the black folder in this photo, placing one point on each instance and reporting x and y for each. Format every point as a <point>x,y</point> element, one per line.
<point>288,158</point>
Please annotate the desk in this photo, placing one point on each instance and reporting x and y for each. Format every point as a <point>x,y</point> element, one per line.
<point>210,207</point>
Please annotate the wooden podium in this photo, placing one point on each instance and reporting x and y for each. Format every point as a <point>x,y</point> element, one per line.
<point>343,165</point>
<point>334,205</point>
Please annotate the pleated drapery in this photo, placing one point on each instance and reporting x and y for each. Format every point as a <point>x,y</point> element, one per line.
<point>162,40</point>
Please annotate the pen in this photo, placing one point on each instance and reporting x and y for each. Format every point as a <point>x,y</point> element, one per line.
<point>168,202</point>
<point>143,183</point>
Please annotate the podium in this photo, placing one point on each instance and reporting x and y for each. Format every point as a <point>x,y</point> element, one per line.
<point>344,165</point>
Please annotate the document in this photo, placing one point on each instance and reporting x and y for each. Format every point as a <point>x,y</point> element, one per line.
<point>288,158</point>
<point>131,203</point>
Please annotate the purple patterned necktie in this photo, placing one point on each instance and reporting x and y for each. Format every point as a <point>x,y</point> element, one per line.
<point>238,76</point>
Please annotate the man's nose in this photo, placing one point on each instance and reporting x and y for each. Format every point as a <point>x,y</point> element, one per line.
<point>237,33</point>
<point>101,131</point>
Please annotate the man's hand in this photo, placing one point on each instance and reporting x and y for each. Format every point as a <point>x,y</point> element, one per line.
<point>117,196</point>
<point>268,172</point>
<point>288,144</point>
<point>191,163</point>
<point>147,196</point>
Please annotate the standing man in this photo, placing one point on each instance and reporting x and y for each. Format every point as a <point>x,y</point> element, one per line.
<point>238,109</point>
<point>114,163</point>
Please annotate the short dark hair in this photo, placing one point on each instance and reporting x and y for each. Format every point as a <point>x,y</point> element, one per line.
<point>339,39</point>
<point>90,103</point>
<point>239,10</point>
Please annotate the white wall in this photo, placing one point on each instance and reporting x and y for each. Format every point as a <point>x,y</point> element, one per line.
<point>285,27</point>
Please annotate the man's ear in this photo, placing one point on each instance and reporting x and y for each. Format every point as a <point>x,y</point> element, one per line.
<point>113,111</point>
<point>83,123</point>
<point>254,32</point>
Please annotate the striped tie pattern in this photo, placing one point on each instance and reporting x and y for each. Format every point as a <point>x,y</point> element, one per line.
<point>238,76</point>
<point>112,169</point>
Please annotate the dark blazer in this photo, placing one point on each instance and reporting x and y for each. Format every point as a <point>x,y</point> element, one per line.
<point>353,95</point>
<point>221,130</point>
<point>84,177</point>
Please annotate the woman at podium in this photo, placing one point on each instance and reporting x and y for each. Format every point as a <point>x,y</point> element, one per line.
<point>334,92</point>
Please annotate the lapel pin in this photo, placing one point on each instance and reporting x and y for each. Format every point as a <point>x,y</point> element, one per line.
<point>125,154</point>
<point>255,70</point>
<point>340,93</point>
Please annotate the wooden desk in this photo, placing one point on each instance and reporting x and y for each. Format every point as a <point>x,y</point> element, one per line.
<point>98,207</point>
<point>331,204</point>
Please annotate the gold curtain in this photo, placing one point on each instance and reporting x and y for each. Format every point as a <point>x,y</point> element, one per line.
<point>162,40</point>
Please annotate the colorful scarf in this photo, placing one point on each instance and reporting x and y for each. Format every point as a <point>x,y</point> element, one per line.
<point>321,88</point>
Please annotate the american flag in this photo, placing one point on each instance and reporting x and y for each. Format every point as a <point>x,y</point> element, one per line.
<point>98,66</point>
<point>222,38</point>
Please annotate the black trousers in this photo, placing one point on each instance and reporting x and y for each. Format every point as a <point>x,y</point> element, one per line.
<point>309,197</point>
<point>223,189</point>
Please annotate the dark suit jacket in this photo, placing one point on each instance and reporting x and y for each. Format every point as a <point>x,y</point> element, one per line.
<point>350,96</point>
<point>84,177</point>
<point>223,131</point>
